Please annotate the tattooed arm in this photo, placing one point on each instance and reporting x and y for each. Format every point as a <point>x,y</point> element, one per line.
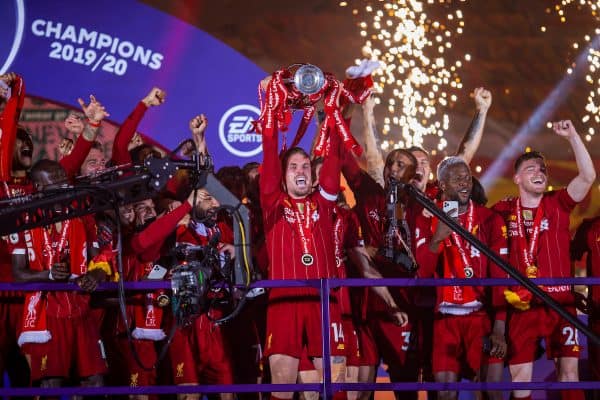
<point>470,142</point>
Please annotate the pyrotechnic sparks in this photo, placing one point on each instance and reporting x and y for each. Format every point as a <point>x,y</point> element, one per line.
<point>592,77</point>
<point>421,73</point>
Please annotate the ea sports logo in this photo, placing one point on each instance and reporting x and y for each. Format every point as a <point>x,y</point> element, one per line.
<point>234,131</point>
<point>11,31</point>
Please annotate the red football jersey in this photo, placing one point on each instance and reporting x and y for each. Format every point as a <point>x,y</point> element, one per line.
<point>552,259</point>
<point>371,211</point>
<point>60,304</point>
<point>587,240</point>
<point>489,228</point>
<point>15,187</point>
<point>290,255</point>
<point>347,235</point>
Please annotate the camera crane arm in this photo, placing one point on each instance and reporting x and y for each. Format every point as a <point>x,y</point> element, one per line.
<point>114,187</point>
<point>123,185</point>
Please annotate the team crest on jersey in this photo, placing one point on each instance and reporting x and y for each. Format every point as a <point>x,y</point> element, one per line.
<point>474,230</point>
<point>179,373</point>
<point>31,316</point>
<point>475,252</point>
<point>44,363</point>
<point>544,224</point>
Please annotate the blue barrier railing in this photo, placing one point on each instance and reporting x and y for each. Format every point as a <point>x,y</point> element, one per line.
<point>298,387</point>
<point>327,388</point>
<point>316,283</point>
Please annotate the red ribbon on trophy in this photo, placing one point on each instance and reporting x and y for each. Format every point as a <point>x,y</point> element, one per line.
<point>300,87</point>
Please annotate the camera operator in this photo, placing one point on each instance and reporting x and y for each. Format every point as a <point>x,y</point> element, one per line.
<point>142,249</point>
<point>199,353</point>
<point>462,322</point>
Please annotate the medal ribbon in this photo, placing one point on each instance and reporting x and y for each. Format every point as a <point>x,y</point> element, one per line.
<point>527,249</point>
<point>453,254</point>
<point>519,297</point>
<point>338,241</point>
<point>53,253</point>
<point>303,225</point>
<point>467,262</point>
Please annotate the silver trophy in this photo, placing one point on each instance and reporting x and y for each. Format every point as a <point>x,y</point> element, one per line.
<point>307,78</point>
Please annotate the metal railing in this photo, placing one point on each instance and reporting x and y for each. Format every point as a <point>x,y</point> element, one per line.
<point>327,388</point>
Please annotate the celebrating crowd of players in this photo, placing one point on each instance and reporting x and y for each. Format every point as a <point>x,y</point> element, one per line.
<point>302,229</point>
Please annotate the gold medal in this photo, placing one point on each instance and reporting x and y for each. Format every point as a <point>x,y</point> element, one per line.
<point>163,300</point>
<point>531,271</point>
<point>307,259</point>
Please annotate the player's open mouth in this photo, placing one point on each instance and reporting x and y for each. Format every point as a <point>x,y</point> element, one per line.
<point>300,181</point>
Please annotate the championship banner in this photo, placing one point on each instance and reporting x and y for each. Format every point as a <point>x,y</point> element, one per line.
<point>119,50</point>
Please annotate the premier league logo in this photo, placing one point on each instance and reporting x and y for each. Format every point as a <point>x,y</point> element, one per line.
<point>234,131</point>
<point>11,31</point>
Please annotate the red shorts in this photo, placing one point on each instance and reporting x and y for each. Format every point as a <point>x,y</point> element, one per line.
<point>199,354</point>
<point>392,341</point>
<point>369,356</point>
<point>305,363</point>
<point>74,347</point>
<point>525,328</point>
<point>594,351</point>
<point>11,315</point>
<point>459,338</point>
<point>353,356</point>
<point>294,322</point>
<point>122,358</point>
<point>350,342</point>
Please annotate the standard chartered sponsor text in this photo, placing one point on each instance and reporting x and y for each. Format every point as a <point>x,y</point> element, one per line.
<point>95,49</point>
